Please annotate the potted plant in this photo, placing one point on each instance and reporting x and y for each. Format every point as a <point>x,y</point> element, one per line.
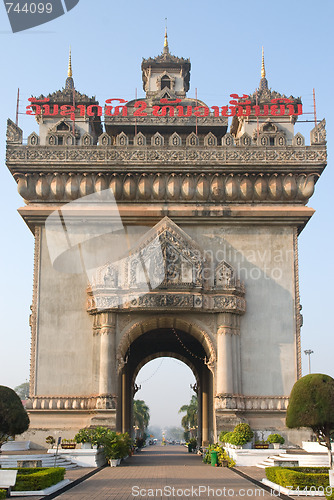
<point>68,444</point>
<point>84,437</point>
<point>241,435</point>
<point>50,440</point>
<point>276,440</point>
<point>116,447</point>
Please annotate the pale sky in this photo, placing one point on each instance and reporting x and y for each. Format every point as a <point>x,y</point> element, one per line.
<point>223,41</point>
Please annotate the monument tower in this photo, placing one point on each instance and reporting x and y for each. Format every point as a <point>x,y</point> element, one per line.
<point>192,248</point>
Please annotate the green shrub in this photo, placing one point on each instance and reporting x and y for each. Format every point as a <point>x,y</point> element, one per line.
<point>299,477</point>
<point>222,436</point>
<point>330,497</point>
<point>33,479</point>
<point>222,455</point>
<point>3,494</point>
<point>241,434</point>
<point>116,445</point>
<point>275,438</point>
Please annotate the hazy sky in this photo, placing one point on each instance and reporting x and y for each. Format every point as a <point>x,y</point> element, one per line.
<point>223,40</point>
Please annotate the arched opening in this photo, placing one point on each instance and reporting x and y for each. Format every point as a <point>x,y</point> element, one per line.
<point>165,384</point>
<point>168,341</point>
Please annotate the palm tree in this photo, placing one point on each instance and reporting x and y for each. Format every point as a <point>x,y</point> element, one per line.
<point>189,420</point>
<point>141,416</point>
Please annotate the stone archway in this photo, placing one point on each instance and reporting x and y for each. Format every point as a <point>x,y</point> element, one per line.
<point>168,341</point>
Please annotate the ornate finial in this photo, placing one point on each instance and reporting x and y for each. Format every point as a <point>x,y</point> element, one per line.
<point>263,70</point>
<point>69,84</point>
<point>69,72</point>
<point>166,49</point>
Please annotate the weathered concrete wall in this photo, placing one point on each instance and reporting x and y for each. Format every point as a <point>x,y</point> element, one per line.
<point>263,257</point>
<point>64,338</point>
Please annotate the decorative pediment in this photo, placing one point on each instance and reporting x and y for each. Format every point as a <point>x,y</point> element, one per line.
<point>228,140</point>
<point>210,140</point>
<point>318,133</point>
<point>33,139</point>
<point>139,139</point>
<point>157,140</point>
<point>104,139</point>
<point>14,134</point>
<point>87,140</point>
<point>192,139</point>
<point>175,140</point>
<point>166,269</point>
<point>62,127</point>
<point>299,140</point>
<point>245,140</point>
<point>122,139</point>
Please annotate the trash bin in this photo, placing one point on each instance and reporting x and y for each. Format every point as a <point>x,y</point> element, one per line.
<point>190,448</point>
<point>214,458</point>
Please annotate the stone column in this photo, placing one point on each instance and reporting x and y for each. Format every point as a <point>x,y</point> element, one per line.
<point>227,372</point>
<point>107,372</point>
<point>205,411</point>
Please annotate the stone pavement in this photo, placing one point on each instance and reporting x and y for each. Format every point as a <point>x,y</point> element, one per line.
<point>162,469</point>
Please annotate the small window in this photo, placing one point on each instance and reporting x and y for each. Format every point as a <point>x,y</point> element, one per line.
<point>60,140</point>
<point>165,82</point>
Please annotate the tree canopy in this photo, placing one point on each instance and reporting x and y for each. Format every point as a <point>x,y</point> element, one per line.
<point>311,405</point>
<point>13,417</point>
<point>22,390</point>
<point>141,416</point>
<point>189,420</point>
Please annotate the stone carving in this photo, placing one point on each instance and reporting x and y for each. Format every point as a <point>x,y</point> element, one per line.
<point>210,140</point>
<point>34,311</point>
<point>238,402</point>
<point>175,140</point>
<point>173,261</point>
<point>86,140</point>
<point>220,156</point>
<point>33,139</point>
<point>280,140</point>
<point>299,140</point>
<point>104,139</point>
<point>192,140</point>
<point>52,140</point>
<point>224,275</point>
<point>157,140</point>
<point>72,402</point>
<point>318,133</point>
<point>290,188</point>
<point>245,140</point>
<point>140,139</point>
<point>228,140</point>
<point>122,139</point>
<point>14,134</point>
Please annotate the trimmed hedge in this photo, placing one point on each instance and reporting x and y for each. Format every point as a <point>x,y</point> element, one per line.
<point>34,479</point>
<point>298,477</point>
<point>330,497</point>
<point>3,494</point>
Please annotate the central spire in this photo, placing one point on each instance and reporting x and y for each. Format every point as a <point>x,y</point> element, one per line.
<point>69,72</point>
<point>263,82</point>
<point>166,48</point>
<point>263,70</point>
<point>69,84</point>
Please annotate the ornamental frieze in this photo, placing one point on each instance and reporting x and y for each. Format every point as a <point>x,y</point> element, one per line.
<point>170,187</point>
<point>114,155</point>
<point>169,301</point>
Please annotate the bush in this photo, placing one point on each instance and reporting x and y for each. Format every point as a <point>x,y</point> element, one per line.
<point>13,417</point>
<point>116,445</point>
<point>222,455</point>
<point>3,494</point>
<point>241,434</point>
<point>33,479</point>
<point>275,438</point>
<point>299,477</point>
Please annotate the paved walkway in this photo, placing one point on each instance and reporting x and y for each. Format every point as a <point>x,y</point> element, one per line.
<point>164,472</point>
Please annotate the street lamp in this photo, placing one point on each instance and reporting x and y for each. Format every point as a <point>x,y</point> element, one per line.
<point>308,353</point>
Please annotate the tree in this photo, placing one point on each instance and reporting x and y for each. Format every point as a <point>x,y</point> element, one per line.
<point>22,390</point>
<point>13,417</point>
<point>311,405</point>
<point>189,420</point>
<point>141,416</point>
